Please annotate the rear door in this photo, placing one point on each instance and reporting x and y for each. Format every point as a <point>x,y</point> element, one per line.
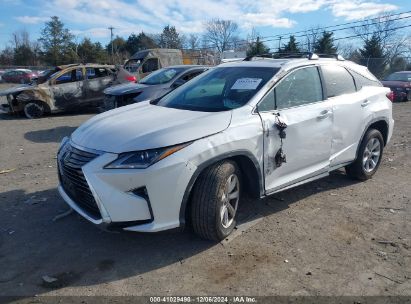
<point>98,79</point>
<point>68,89</point>
<point>300,104</point>
<point>349,107</point>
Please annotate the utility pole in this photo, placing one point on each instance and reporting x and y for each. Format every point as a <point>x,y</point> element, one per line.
<point>111,41</point>
<point>279,44</point>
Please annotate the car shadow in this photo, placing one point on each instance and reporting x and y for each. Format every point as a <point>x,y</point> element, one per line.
<point>82,111</point>
<point>49,135</point>
<point>77,254</point>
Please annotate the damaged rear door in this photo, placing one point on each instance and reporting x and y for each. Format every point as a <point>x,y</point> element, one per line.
<point>98,79</point>
<point>298,102</point>
<point>68,88</point>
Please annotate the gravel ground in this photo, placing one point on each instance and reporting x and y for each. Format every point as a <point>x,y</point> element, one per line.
<point>330,237</point>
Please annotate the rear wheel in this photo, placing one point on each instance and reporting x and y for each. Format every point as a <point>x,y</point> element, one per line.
<point>408,98</point>
<point>215,199</point>
<point>33,109</point>
<point>369,156</point>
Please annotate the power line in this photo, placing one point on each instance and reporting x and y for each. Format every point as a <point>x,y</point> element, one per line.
<point>280,36</point>
<point>347,23</point>
<point>369,33</point>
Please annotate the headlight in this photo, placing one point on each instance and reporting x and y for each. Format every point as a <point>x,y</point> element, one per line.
<point>143,159</point>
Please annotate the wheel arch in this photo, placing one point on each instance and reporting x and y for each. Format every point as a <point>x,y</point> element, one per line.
<point>250,169</point>
<point>381,124</point>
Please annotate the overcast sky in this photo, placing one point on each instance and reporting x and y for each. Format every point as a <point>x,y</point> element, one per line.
<point>86,18</point>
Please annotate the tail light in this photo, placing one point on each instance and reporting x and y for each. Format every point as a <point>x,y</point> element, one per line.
<point>391,96</point>
<point>131,78</point>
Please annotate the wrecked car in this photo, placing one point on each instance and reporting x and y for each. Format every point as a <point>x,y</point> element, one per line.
<point>64,88</point>
<point>253,127</point>
<point>153,86</point>
<point>147,61</point>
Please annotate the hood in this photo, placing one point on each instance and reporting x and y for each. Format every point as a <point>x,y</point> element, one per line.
<point>389,83</point>
<point>145,126</point>
<point>126,88</point>
<point>16,89</point>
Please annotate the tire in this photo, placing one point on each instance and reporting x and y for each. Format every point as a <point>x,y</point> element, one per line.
<point>33,109</point>
<point>369,156</point>
<point>213,216</point>
<point>408,98</point>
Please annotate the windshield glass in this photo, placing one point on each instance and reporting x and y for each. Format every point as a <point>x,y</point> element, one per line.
<point>161,76</point>
<point>132,65</point>
<point>399,77</point>
<point>220,89</point>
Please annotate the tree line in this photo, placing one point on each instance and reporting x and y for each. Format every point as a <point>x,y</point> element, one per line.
<point>382,47</point>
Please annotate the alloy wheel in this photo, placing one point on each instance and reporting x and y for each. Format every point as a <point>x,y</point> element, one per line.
<point>230,199</point>
<point>371,156</point>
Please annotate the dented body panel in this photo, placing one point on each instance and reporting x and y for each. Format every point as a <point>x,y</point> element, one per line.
<point>67,87</point>
<point>319,138</point>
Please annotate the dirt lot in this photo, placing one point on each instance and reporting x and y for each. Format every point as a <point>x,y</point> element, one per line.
<point>322,238</point>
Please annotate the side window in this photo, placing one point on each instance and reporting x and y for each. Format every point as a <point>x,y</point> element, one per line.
<point>298,88</point>
<point>362,81</point>
<point>96,73</point>
<point>337,80</point>
<point>70,76</point>
<point>150,65</point>
<point>267,103</point>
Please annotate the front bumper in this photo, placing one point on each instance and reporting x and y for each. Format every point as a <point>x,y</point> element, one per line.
<point>144,200</point>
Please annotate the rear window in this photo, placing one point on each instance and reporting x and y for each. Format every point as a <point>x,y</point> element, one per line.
<point>362,81</point>
<point>337,80</point>
<point>399,77</point>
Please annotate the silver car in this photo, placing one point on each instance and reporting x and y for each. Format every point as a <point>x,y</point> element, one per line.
<point>252,128</point>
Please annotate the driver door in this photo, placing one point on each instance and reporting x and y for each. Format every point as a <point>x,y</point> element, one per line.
<point>68,89</point>
<point>298,101</point>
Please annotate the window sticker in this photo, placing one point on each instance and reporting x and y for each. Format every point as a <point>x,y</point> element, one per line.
<point>246,84</point>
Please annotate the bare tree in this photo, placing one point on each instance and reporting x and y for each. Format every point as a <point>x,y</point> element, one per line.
<point>193,41</point>
<point>20,38</point>
<point>385,29</point>
<point>312,35</point>
<point>220,33</point>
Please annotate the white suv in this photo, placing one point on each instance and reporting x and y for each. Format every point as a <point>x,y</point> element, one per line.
<point>254,127</point>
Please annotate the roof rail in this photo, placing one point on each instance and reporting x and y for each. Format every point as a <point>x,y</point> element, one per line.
<point>295,55</point>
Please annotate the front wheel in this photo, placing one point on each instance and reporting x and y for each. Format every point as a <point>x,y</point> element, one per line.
<point>215,199</point>
<point>369,156</point>
<point>33,109</point>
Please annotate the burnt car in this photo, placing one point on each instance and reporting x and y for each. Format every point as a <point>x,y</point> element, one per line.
<point>68,87</point>
<point>18,76</point>
<point>153,86</point>
<point>400,85</point>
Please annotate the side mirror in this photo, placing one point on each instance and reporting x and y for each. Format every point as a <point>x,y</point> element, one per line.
<point>178,82</point>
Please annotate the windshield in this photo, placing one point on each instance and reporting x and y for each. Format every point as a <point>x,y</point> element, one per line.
<point>161,76</point>
<point>219,89</point>
<point>399,77</point>
<point>132,65</point>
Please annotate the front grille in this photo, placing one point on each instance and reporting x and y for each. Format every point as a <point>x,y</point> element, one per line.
<point>73,181</point>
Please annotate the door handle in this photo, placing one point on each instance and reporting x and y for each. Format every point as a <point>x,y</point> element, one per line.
<point>365,103</point>
<point>324,114</point>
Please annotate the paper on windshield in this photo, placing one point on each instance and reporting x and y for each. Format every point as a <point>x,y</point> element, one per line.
<point>246,84</point>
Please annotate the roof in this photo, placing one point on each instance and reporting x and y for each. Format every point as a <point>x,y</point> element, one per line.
<point>62,67</point>
<point>187,66</point>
